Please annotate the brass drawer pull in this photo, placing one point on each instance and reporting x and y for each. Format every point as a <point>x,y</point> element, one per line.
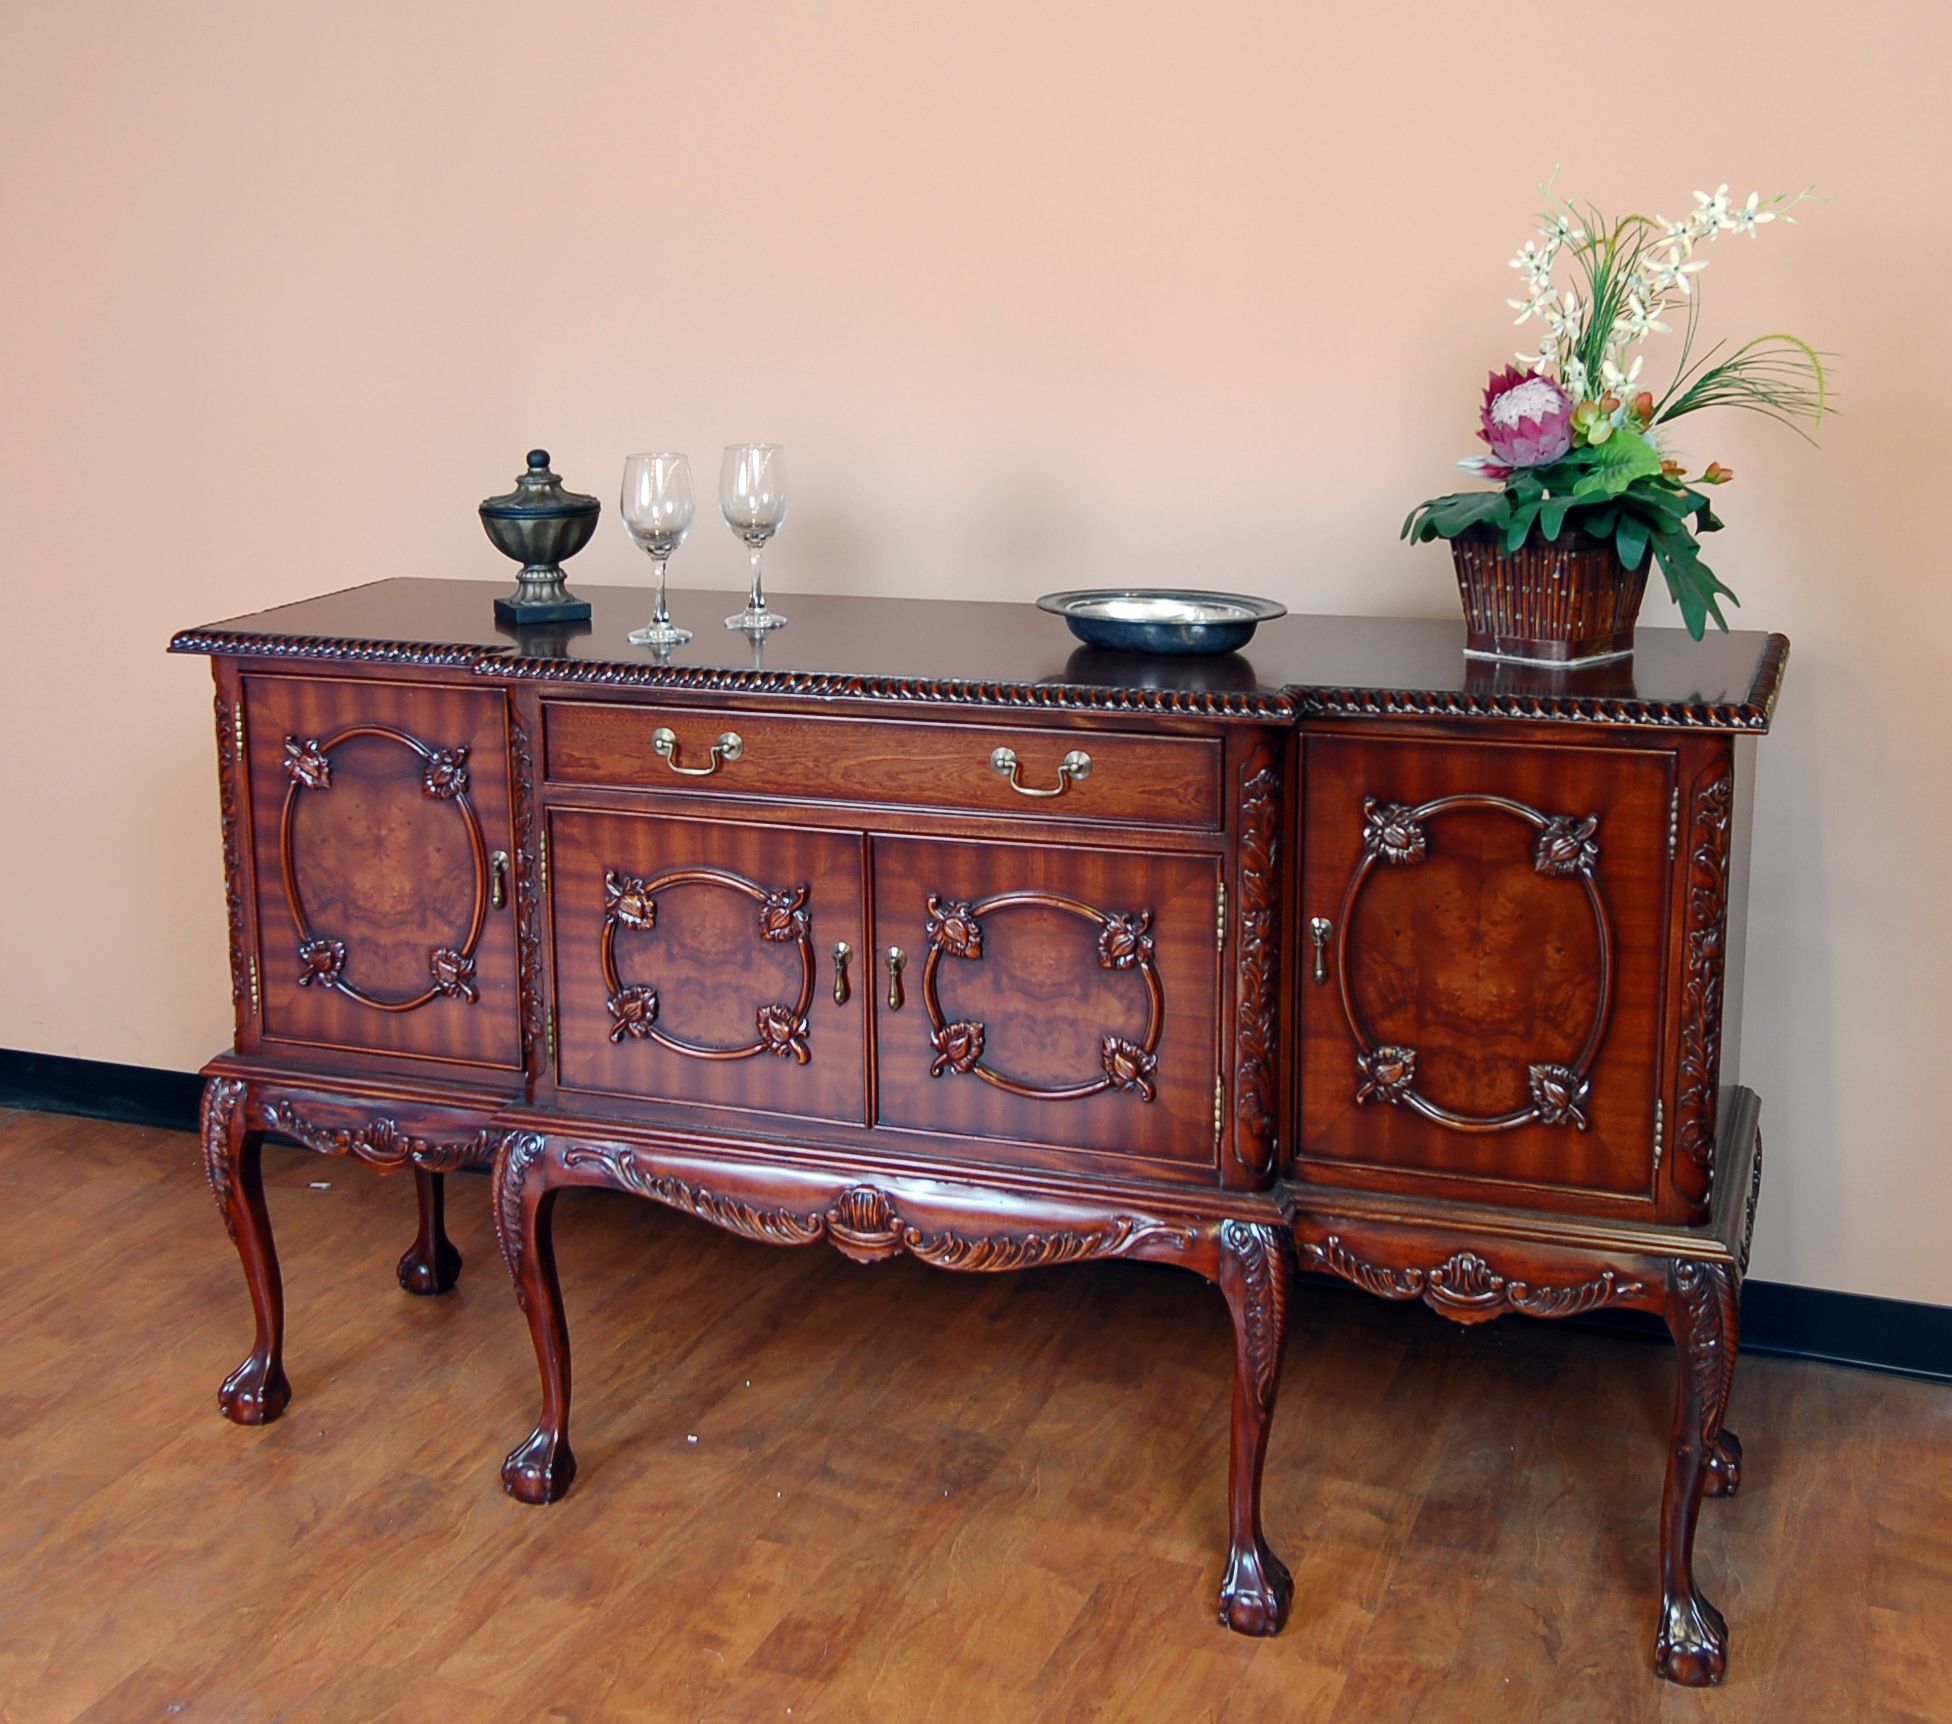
<point>1319,930</point>
<point>1074,767</point>
<point>896,959</point>
<point>498,880</point>
<point>730,746</point>
<point>842,952</point>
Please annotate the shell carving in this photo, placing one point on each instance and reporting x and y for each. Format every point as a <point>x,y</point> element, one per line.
<point>446,774</point>
<point>453,973</point>
<point>782,1031</point>
<point>783,916</point>
<point>1387,1072</point>
<point>1567,846</point>
<point>322,963</point>
<point>1389,830</point>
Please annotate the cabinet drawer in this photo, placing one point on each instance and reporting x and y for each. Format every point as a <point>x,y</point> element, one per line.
<point>1153,780</point>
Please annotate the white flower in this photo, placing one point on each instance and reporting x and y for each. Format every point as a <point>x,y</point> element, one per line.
<point>1575,379</point>
<point>1640,320</point>
<point>1711,213</point>
<point>1678,234</point>
<point>1547,357</point>
<point>1560,228</point>
<point>1536,306</point>
<point>1563,316</point>
<point>1536,263</point>
<point>1617,382</point>
<point>1748,218</point>
<point>1671,275</point>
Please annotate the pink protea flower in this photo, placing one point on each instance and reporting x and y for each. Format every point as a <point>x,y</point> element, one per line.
<point>1527,422</point>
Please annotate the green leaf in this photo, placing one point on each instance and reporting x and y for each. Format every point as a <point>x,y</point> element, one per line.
<point>1552,516</point>
<point>1625,457</point>
<point>1599,522</point>
<point>1521,526</point>
<point>1690,581</point>
<point>1630,540</point>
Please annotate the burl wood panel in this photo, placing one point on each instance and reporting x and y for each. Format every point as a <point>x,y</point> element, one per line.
<point>1060,996</point>
<point>1159,780</point>
<point>1503,960</point>
<point>694,961</point>
<point>380,837</point>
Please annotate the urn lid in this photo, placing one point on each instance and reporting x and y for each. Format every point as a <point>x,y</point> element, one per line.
<point>539,496</point>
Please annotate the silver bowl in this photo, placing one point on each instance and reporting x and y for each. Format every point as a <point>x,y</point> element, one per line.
<point>1161,619</point>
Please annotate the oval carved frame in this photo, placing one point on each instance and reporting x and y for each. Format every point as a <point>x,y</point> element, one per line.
<point>632,903</point>
<point>443,778</point>
<point>1394,836</point>
<point>1124,943</point>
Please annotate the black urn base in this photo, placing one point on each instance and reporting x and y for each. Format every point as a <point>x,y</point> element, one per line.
<point>524,613</point>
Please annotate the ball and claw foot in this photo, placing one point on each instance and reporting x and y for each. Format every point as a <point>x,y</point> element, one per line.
<point>1724,1467</point>
<point>1255,1596</point>
<point>417,1275</point>
<point>1693,1645</point>
<point>255,1393</point>
<point>541,1470</point>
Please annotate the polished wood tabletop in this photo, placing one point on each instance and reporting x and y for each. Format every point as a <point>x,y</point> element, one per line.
<point>946,650</point>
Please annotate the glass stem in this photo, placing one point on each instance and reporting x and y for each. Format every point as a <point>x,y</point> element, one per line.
<point>662,618</point>
<point>756,602</point>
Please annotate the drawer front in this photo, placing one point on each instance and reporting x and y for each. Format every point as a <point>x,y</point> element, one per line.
<point>1486,1001</point>
<point>1060,997</point>
<point>1154,780</point>
<point>381,844</point>
<point>695,962</point>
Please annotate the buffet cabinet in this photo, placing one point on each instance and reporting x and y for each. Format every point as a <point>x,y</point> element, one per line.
<point>1429,985</point>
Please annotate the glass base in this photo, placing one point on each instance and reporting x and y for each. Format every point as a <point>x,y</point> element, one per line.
<point>756,622</point>
<point>659,635</point>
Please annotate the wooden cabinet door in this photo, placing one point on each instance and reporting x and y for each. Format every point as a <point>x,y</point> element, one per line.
<point>694,962</point>
<point>1482,963</point>
<point>380,827</point>
<point>1061,996</point>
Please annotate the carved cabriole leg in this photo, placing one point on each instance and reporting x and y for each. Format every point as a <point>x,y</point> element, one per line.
<point>1255,1275</point>
<point>1692,1648</point>
<point>257,1391</point>
<point>432,1264</point>
<point>543,1467</point>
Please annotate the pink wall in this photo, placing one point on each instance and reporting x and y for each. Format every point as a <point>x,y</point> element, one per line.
<point>1038,295</point>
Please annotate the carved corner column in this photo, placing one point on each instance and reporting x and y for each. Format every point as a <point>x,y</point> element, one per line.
<point>1255,1273</point>
<point>542,1467</point>
<point>1257,963</point>
<point>258,1390</point>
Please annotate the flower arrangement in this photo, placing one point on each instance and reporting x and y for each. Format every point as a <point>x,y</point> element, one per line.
<point>1576,442</point>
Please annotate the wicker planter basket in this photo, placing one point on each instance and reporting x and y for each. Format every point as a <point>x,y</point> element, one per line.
<point>1564,602</point>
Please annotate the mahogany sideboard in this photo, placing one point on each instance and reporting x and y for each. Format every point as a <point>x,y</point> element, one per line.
<point>914,928</point>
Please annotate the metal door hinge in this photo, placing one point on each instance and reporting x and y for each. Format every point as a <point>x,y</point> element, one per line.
<point>550,1022</point>
<point>257,998</point>
<point>542,859</point>
<point>1220,921</point>
<point>1674,822</point>
<point>1219,1108</point>
<point>237,725</point>
<point>1660,1124</point>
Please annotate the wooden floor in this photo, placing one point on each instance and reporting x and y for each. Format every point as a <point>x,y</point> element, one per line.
<point>817,1491</point>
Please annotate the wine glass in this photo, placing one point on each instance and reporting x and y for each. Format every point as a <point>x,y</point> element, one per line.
<point>752,497</point>
<point>657,507</point>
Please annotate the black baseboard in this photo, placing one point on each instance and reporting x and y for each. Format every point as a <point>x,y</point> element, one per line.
<point>1891,1335</point>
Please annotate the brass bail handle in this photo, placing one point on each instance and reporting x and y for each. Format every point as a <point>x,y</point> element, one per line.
<point>664,742</point>
<point>1072,769</point>
<point>498,880</point>
<point>842,952</point>
<point>896,959</point>
<point>1319,929</point>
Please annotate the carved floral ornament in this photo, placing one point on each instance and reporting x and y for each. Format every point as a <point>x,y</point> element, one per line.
<point>779,1029</point>
<point>863,1221</point>
<point>1466,1287</point>
<point>1565,847</point>
<point>954,929</point>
